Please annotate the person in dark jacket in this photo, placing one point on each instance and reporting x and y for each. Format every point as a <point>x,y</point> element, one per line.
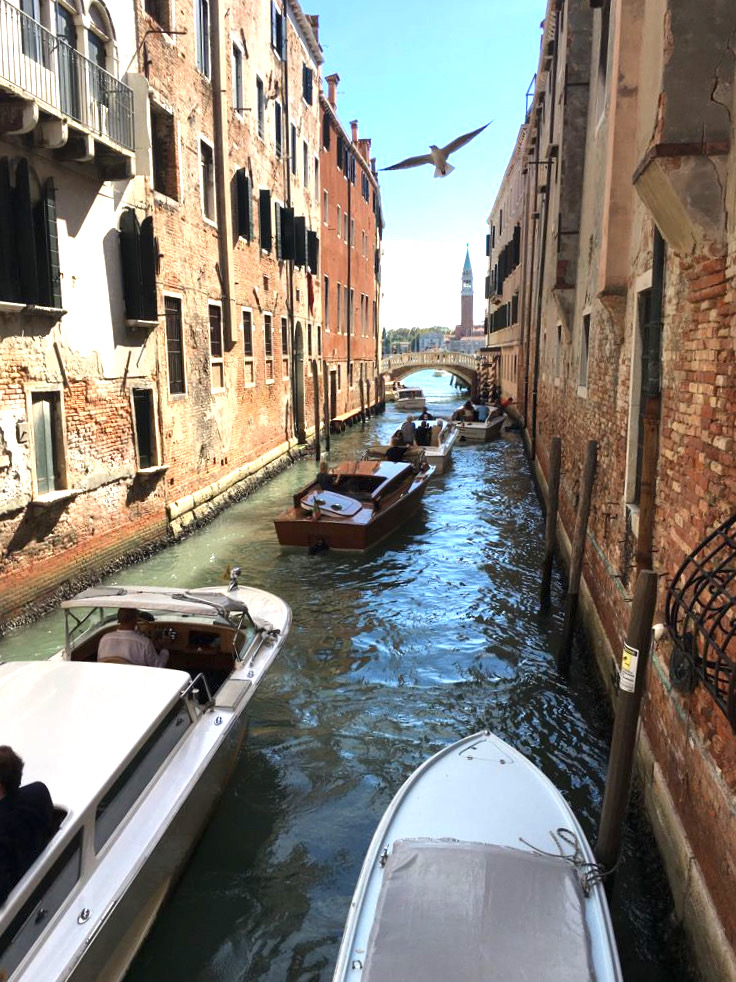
<point>27,821</point>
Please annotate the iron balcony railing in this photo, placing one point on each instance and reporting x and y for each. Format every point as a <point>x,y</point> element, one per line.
<point>701,615</point>
<point>36,62</point>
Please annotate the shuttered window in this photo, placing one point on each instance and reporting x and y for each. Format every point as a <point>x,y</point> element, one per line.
<point>244,200</point>
<point>264,219</point>
<point>144,428</point>
<point>307,84</point>
<point>138,253</point>
<point>326,132</point>
<point>277,129</point>
<point>216,347</point>
<point>249,364</point>
<point>287,233</point>
<point>268,345</point>
<point>300,241</point>
<point>284,347</point>
<point>313,252</point>
<point>174,344</point>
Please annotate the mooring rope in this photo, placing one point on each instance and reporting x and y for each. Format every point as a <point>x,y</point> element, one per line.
<point>589,874</point>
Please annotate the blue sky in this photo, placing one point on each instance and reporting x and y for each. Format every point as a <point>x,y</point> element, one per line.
<point>414,73</point>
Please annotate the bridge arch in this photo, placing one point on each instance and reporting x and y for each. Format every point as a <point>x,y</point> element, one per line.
<point>457,363</point>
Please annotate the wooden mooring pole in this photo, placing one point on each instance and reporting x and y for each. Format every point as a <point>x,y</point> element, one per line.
<point>630,690</point>
<point>315,384</point>
<point>550,534</point>
<point>576,558</point>
<point>326,387</point>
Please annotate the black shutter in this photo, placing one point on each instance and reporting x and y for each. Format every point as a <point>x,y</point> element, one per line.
<point>277,222</point>
<point>326,131</point>
<point>264,219</point>
<point>244,209</point>
<point>300,241</point>
<point>47,247</point>
<point>340,152</point>
<point>25,234</point>
<point>517,245</point>
<point>287,233</point>
<point>488,245</point>
<point>148,253</point>
<point>130,257</point>
<point>488,287</point>
<point>8,256</point>
<point>313,252</point>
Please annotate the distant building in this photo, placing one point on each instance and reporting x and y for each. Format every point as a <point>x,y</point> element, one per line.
<point>467,337</point>
<point>431,339</point>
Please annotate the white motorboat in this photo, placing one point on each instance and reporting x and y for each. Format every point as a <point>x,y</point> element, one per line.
<point>478,871</point>
<point>443,439</point>
<point>487,427</point>
<point>409,399</point>
<point>135,759</point>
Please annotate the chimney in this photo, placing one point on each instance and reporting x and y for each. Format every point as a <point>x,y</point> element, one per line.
<point>365,148</point>
<point>314,24</point>
<point>354,129</point>
<point>332,83</point>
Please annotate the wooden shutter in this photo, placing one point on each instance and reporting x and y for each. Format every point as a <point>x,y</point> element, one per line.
<point>326,132</point>
<point>244,206</point>
<point>313,251</point>
<point>25,234</point>
<point>43,442</point>
<point>8,256</point>
<point>277,217</point>
<point>300,241</point>
<point>264,218</point>
<point>148,253</point>
<point>287,233</point>
<point>307,84</point>
<point>340,152</point>
<point>130,257</point>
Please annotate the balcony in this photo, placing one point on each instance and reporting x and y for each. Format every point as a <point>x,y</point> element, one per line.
<point>75,107</point>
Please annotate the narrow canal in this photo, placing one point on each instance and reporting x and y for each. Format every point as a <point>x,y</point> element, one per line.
<point>431,636</point>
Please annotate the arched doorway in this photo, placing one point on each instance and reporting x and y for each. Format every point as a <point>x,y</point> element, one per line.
<point>299,426</point>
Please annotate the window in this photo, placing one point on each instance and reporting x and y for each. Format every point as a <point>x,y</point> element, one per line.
<point>268,345</point>
<point>309,340</point>
<point>339,221</point>
<point>305,163</point>
<point>202,35</point>
<point>558,352</point>
<point>307,84</point>
<point>164,152</point>
<point>31,274</point>
<point>48,442</point>
<point>264,219</point>
<point>261,103</point>
<point>31,31</point>
<point>138,257</point>
<point>159,10</point>
<point>292,151</point>
<point>277,129</point>
<point>207,180</point>
<point>603,42</point>
<point>316,179</point>
<point>345,227</point>
<point>313,252</point>
<point>144,428</point>
<point>278,31</point>
<point>319,341</point>
<point>284,347</point>
<point>98,39</point>
<point>238,100</point>
<point>584,347</point>
<point>120,798</point>
<point>326,303</point>
<point>325,207</point>
<point>326,132</point>
<point>339,306</point>
<point>352,233</point>
<point>41,907</point>
<point>244,201</point>
<point>250,368</point>
<point>351,309</point>
<point>217,361</point>
<point>174,344</point>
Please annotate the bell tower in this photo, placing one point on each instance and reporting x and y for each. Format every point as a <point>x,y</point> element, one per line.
<point>466,298</point>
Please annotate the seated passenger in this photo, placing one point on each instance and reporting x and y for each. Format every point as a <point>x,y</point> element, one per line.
<point>483,413</point>
<point>409,431</point>
<point>396,451</point>
<point>424,434</point>
<point>127,644</point>
<point>27,821</point>
<point>325,480</point>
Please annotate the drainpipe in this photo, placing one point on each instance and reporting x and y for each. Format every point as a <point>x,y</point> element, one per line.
<point>222,184</point>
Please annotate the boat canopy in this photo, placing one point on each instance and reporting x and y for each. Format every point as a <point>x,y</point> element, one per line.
<point>477,912</point>
<point>409,394</point>
<point>201,603</point>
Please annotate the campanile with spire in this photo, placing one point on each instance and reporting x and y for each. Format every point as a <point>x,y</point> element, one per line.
<point>466,299</point>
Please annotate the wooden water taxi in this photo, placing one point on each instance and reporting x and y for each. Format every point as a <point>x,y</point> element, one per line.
<point>485,423</point>
<point>478,871</point>
<point>368,500</point>
<point>135,759</point>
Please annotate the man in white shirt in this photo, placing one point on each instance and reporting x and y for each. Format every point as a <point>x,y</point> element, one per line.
<point>126,644</point>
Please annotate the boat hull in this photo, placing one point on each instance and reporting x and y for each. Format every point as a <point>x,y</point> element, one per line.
<point>481,432</point>
<point>418,403</point>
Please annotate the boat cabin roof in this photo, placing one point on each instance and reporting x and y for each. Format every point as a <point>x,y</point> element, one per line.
<point>408,393</point>
<point>477,912</point>
<point>76,723</point>
<point>200,603</point>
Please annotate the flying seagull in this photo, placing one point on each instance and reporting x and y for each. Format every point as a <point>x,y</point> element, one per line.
<point>438,155</point>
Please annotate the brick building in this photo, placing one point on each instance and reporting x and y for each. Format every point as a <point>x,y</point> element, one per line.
<point>78,448</point>
<point>627,336</point>
<point>351,270</point>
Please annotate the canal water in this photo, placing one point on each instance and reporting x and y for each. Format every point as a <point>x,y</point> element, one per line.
<point>429,637</point>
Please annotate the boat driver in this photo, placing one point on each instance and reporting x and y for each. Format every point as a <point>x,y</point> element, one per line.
<point>126,644</point>
<point>27,821</point>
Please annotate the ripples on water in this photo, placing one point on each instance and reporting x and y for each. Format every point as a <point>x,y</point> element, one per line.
<point>429,637</point>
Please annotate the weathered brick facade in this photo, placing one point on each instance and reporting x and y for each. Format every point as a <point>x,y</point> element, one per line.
<point>627,328</point>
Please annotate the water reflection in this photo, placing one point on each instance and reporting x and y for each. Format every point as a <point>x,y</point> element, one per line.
<point>431,636</point>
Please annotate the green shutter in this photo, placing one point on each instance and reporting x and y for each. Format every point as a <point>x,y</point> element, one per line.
<point>148,251</point>
<point>25,234</point>
<point>130,258</point>
<point>300,241</point>
<point>242,193</point>
<point>287,233</point>
<point>8,256</point>
<point>264,218</point>
<point>43,443</point>
<point>277,217</point>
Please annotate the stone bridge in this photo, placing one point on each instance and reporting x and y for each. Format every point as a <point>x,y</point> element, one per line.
<point>464,366</point>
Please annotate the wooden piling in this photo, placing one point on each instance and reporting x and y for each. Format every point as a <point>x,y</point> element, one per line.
<point>550,534</point>
<point>315,385</point>
<point>362,401</point>
<point>631,688</point>
<point>576,558</point>
<point>326,389</point>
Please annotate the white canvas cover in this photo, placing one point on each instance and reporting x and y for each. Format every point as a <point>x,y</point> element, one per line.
<point>469,912</point>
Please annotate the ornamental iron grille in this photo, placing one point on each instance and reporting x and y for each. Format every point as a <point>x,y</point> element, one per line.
<point>701,615</point>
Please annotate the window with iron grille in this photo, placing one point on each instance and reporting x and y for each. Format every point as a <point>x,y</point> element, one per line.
<point>249,364</point>
<point>268,345</point>
<point>217,360</point>
<point>174,344</point>
<point>202,35</point>
<point>285,347</point>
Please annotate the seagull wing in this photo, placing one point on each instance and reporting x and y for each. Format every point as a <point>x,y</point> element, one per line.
<point>410,162</point>
<point>460,141</point>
